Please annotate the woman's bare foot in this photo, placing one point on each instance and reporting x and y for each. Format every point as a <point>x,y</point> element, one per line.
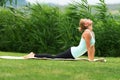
<point>30,55</point>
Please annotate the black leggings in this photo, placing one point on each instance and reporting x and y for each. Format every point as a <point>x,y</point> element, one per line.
<point>66,54</point>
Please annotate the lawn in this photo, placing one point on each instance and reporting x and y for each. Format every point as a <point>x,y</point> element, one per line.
<point>58,70</point>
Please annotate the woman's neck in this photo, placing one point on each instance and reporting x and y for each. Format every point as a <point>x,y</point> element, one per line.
<point>90,28</point>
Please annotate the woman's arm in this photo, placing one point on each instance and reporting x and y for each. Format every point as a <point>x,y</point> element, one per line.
<point>90,49</point>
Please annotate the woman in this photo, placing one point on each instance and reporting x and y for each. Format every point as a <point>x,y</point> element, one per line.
<point>86,44</point>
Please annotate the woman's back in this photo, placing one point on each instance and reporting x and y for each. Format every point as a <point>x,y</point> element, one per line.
<point>81,48</point>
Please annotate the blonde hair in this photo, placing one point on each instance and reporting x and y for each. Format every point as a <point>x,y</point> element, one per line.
<point>82,24</point>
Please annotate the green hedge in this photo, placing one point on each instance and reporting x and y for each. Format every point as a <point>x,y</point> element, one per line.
<point>48,29</point>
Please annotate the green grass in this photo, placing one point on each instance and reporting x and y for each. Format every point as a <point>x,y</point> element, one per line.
<point>58,70</point>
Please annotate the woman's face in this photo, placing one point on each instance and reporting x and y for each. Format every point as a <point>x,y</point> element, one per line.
<point>88,22</point>
<point>84,24</point>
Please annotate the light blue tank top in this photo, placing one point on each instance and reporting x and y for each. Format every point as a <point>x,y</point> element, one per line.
<point>81,48</point>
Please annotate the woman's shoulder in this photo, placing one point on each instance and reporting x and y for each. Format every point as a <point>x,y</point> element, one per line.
<point>87,31</point>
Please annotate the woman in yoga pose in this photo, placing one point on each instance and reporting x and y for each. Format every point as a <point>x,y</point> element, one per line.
<point>86,44</point>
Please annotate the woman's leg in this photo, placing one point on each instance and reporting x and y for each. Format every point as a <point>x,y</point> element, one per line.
<point>43,56</point>
<point>33,55</point>
<point>66,54</point>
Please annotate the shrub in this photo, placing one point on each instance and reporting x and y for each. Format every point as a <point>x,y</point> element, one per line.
<point>12,30</point>
<point>44,28</point>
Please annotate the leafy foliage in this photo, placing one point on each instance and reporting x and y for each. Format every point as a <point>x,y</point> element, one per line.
<point>4,2</point>
<point>44,28</point>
